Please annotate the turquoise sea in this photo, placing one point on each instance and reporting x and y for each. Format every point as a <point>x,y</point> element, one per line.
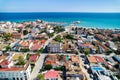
<point>91,20</point>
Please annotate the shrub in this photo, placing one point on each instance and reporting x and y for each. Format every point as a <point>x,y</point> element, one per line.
<point>40,76</point>
<point>58,38</point>
<point>48,67</point>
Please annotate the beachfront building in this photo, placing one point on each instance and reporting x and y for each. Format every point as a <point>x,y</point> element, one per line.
<point>9,70</point>
<point>15,73</point>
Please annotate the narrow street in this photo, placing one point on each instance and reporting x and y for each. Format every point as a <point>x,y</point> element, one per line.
<point>82,66</point>
<point>37,67</point>
<point>40,61</point>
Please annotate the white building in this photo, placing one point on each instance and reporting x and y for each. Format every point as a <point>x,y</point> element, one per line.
<point>50,31</point>
<point>15,73</point>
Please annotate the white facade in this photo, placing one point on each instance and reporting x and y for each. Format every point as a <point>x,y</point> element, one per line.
<point>50,31</point>
<point>16,75</point>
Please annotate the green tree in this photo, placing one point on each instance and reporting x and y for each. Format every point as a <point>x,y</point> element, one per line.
<point>25,32</point>
<point>28,56</point>
<point>20,61</point>
<point>38,52</point>
<point>7,36</point>
<point>48,67</point>
<point>59,28</point>
<point>51,34</point>
<point>87,51</point>
<point>41,50</point>
<point>8,48</point>
<point>76,53</point>
<point>40,76</point>
<point>69,36</point>
<point>58,38</point>
<point>60,68</point>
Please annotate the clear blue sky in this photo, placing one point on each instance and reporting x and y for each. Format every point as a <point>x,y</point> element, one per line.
<point>59,5</point>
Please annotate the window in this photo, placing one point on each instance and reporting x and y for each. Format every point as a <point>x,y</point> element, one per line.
<point>25,77</point>
<point>17,78</point>
<point>21,79</point>
<point>13,78</point>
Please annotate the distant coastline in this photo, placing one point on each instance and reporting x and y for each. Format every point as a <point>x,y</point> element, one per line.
<point>88,19</point>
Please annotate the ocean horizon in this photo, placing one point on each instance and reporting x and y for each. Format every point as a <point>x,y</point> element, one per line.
<point>87,19</point>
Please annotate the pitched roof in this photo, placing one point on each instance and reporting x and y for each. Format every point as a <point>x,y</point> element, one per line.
<point>24,43</point>
<point>33,57</point>
<point>16,34</point>
<point>92,59</point>
<point>74,58</point>
<point>51,59</point>
<point>15,68</point>
<point>43,41</point>
<point>95,59</point>
<point>35,47</point>
<point>5,63</point>
<point>102,45</point>
<point>51,74</point>
<point>99,59</point>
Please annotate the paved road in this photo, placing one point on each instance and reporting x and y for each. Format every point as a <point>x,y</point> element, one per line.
<point>49,40</point>
<point>37,67</point>
<point>82,66</point>
<point>40,61</point>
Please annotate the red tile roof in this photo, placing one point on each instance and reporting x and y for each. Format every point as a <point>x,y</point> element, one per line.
<point>5,63</point>
<point>100,36</point>
<point>33,57</point>
<point>52,59</point>
<point>35,47</point>
<point>15,34</point>
<point>43,41</point>
<point>95,59</point>
<point>102,45</point>
<point>92,59</point>
<point>51,74</point>
<point>24,43</point>
<point>85,44</point>
<point>99,59</point>
<point>14,68</point>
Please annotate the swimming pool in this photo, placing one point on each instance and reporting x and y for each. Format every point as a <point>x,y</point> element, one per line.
<point>97,68</point>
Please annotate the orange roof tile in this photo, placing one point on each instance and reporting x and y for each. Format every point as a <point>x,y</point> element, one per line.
<point>74,58</point>
<point>92,59</point>
<point>14,68</point>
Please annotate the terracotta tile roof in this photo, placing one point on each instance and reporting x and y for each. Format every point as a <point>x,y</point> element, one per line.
<point>85,44</point>
<point>14,68</point>
<point>24,43</point>
<point>92,59</point>
<point>52,59</point>
<point>74,58</point>
<point>99,59</point>
<point>5,63</point>
<point>43,41</point>
<point>95,59</point>
<point>102,45</point>
<point>33,57</point>
<point>35,47</point>
<point>15,34</point>
<point>100,36</point>
<point>51,74</point>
